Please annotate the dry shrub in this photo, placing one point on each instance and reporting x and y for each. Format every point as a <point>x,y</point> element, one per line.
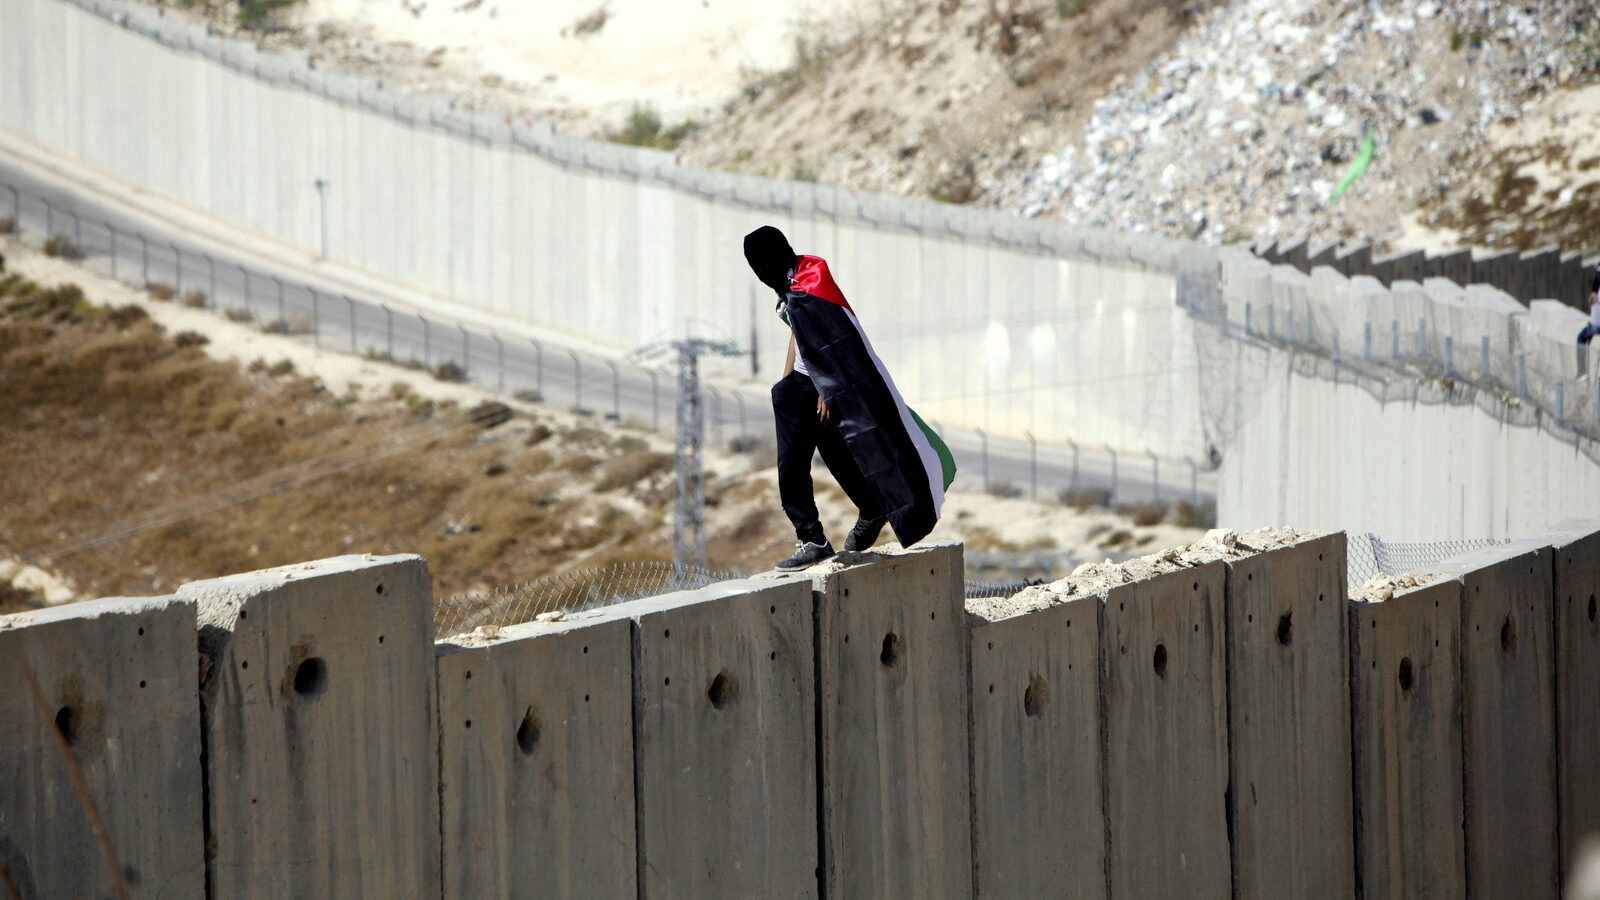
<point>449,371</point>
<point>1004,489</point>
<point>237,314</point>
<point>578,463</point>
<point>281,368</point>
<point>1147,514</point>
<point>190,339</point>
<point>7,225</point>
<point>195,299</point>
<point>160,290</point>
<point>630,469</point>
<point>61,247</point>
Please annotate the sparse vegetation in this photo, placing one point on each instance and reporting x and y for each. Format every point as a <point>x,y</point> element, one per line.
<point>1004,489</point>
<point>237,314</point>
<point>450,371</point>
<point>61,247</point>
<point>7,225</point>
<point>643,128</point>
<point>255,14</point>
<point>195,299</point>
<point>159,290</point>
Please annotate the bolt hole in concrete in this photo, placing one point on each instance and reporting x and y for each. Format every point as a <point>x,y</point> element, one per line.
<point>1161,660</point>
<point>891,649</point>
<point>141,632</point>
<point>141,683</point>
<point>528,732</point>
<point>1508,636</point>
<point>311,677</point>
<point>380,638</point>
<point>68,725</point>
<point>1405,673</point>
<point>1035,697</point>
<point>1591,607</point>
<point>1286,628</point>
<point>724,688</point>
<point>379,588</point>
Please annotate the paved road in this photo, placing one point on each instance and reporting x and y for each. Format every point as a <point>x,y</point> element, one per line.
<point>119,240</point>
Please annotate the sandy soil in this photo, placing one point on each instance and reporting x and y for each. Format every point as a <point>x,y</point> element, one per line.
<point>96,436</point>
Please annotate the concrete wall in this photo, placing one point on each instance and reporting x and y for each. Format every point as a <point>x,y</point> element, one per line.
<point>1229,726</point>
<point>987,321</point>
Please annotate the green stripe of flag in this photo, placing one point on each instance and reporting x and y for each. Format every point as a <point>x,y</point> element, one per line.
<point>946,461</point>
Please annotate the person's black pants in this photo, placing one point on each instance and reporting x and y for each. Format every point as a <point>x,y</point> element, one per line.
<point>800,433</point>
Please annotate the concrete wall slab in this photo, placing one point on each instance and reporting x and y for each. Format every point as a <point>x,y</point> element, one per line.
<point>118,679</point>
<point>1289,722</point>
<point>724,719</point>
<point>1038,825</point>
<point>318,715</point>
<point>1508,720</point>
<point>893,725</point>
<point>1406,721</point>
<point>1165,701</point>
<point>536,761</point>
<point>1576,550</point>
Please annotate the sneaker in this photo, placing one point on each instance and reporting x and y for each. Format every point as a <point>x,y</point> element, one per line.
<point>865,534</point>
<point>807,555</point>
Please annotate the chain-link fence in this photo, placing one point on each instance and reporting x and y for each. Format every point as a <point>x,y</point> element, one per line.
<point>567,592</point>
<point>1370,555</point>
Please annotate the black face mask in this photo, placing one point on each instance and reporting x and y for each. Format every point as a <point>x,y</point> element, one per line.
<point>770,257</point>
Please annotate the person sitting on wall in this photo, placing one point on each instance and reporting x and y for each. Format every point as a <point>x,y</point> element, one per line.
<point>837,398</point>
<point>1593,328</point>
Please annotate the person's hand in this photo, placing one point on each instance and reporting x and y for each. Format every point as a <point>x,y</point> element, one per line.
<point>822,410</point>
<point>1592,296</point>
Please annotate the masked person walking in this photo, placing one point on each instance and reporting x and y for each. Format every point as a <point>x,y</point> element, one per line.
<point>836,398</point>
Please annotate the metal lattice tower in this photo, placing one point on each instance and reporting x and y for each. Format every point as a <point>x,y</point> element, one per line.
<point>689,494</point>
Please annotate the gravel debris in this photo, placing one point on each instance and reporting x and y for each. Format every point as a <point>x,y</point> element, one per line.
<point>1380,588</point>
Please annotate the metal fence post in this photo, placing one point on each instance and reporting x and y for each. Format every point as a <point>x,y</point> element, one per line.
<point>538,367</point>
<point>177,271</point>
<point>616,392</point>
<point>1033,466</point>
<point>211,283</point>
<point>144,261</point>
<point>1074,445</point>
<point>427,343</point>
<point>577,382</point>
<point>1366,341</point>
<point>983,456</point>
<point>1155,473</point>
<point>1394,338</point>
<point>1247,317</point>
<point>499,365</point>
<point>352,306</point>
<point>113,238</point>
<point>1113,453</point>
<point>1561,406</point>
<point>1522,377</point>
<point>655,401</point>
<point>283,322</point>
<point>466,366</point>
<point>1484,364</point>
<point>1449,356</point>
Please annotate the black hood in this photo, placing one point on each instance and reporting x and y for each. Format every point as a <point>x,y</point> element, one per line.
<point>770,257</point>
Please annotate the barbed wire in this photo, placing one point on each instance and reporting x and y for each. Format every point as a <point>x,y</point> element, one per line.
<point>1370,555</point>
<point>568,592</point>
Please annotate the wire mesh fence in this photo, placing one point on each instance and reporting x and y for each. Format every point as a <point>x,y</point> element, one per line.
<point>567,592</point>
<point>1370,556</point>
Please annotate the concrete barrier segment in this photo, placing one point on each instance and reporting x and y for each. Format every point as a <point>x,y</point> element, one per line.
<point>1037,782</point>
<point>536,760</point>
<point>1405,648</point>
<point>1508,719</point>
<point>893,731</point>
<point>118,679</point>
<point>1289,719</point>
<point>318,715</point>
<point>1575,546</point>
<point>724,715</point>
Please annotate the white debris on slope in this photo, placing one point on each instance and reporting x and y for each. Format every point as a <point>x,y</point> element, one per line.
<point>1244,130</point>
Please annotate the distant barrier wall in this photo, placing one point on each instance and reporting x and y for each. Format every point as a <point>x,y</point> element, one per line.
<point>988,321</point>
<point>1232,726</point>
<point>1418,411</point>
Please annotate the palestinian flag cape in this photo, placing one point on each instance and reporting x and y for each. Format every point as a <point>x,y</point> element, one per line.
<point>899,455</point>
